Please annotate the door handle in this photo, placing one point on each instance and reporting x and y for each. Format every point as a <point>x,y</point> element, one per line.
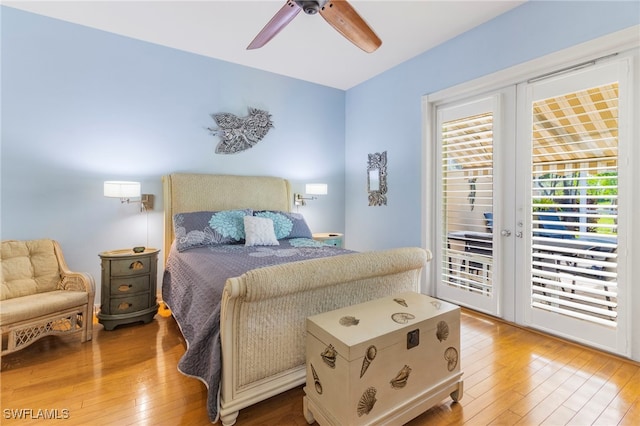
<point>505,233</point>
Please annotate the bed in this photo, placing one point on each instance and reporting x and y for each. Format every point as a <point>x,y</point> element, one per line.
<point>245,335</point>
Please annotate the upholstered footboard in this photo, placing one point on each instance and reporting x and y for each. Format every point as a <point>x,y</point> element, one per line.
<point>264,311</point>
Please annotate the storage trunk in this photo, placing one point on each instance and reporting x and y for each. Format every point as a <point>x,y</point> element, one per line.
<point>382,362</point>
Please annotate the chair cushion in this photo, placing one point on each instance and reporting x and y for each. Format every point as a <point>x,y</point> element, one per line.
<point>28,267</point>
<point>37,305</point>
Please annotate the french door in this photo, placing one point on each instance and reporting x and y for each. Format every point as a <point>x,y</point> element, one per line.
<point>472,138</point>
<point>573,186</point>
<point>531,199</point>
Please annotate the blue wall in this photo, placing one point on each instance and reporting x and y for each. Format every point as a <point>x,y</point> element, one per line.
<point>384,113</point>
<point>81,106</point>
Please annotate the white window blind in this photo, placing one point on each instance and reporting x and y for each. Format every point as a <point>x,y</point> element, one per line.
<point>574,204</point>
<point>467,188</point>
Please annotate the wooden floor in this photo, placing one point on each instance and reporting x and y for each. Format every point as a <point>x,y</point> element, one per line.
<point>128,377</point>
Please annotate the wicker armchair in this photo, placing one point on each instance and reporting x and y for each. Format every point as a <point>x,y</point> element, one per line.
<point>40,296</point>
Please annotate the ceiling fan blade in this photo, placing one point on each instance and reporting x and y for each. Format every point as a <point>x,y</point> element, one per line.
<point>344,18</point>
<point>276,24</point>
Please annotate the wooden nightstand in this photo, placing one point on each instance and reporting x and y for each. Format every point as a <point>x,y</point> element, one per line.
<point>332,238</point>
<point>128,290</point>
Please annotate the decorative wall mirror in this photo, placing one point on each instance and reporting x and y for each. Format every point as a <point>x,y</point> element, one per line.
<point>377,179</point>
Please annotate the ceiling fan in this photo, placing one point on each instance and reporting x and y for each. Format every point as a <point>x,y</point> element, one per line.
<point>338,13</point>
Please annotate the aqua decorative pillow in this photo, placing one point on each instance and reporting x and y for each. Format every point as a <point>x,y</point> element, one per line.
<point>206,228</point>
<point>287,225</point>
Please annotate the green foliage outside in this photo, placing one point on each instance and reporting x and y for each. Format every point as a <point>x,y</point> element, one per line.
<point>602,191</point>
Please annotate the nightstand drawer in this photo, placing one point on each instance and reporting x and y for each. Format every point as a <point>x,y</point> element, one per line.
<point>122,286</point>
<point>334,242</point>
<point>123,305</point>
<point>130,266</point>
<point>329,238</point>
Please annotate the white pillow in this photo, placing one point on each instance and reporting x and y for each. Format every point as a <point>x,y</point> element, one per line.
<point>259,231</point>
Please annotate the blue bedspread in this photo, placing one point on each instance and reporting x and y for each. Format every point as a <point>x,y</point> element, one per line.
<point>192,288</point>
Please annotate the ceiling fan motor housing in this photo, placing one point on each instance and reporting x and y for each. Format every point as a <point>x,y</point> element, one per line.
<point>311,7</point>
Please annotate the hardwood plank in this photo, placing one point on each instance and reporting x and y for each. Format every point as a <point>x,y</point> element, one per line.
<point>579,399</point>
<point>623,404</point>
<point>546,396</point>
<point>559,416</point>
<point>129,377</point>
<point>632,416</point>
<point>537,405</point>
<point>595,407</point>
<point>507,417</point>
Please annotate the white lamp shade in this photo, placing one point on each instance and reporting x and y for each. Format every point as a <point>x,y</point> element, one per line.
<point>121,189</point>
<point>316,188</point>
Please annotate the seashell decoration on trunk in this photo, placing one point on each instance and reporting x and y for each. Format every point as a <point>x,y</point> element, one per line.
<point>451,355</point>
<point>442,331</point>
<point>367,400</point>
<point>368,357</point>
<point>400,380</point>
<point>402,317</point>
<point>316,380</point>
<point>401,301</point>
<point>329,356</point>
<point>348,321</point>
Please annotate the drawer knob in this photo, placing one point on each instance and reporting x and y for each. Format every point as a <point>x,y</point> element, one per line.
<point>124,305</point>
<point>125,287</point>
<point>136,265</point>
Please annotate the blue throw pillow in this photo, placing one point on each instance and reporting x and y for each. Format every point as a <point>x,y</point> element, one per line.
<point>207,228</point>
<point>287,225</point>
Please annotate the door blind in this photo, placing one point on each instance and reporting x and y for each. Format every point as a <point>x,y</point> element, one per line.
<point>574,204</point>
<point>467,188</point>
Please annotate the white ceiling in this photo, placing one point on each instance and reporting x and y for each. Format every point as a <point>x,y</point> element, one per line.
<point>308,48</point>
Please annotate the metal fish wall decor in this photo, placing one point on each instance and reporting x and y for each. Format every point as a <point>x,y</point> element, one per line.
<point>238,134</point>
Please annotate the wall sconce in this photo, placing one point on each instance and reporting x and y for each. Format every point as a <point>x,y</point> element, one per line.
<point>127,190</point>
<point>312,189</point>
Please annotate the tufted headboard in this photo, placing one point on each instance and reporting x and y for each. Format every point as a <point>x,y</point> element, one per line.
<point>191,192</point>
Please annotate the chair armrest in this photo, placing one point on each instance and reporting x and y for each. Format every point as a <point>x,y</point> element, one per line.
<point>73,281</point>
<point>77,281</point>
